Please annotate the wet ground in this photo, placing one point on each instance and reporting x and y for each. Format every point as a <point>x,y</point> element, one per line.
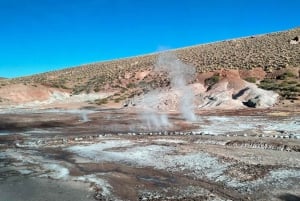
<point>117,155</point>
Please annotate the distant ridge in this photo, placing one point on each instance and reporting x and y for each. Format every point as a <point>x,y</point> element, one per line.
<point>173,50</point>
<point>270,52</point>
<point>266,62</point>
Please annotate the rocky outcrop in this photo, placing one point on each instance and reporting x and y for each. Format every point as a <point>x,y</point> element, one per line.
<point>232,92</point>
<point>34,96</point>
<point>258,98</point>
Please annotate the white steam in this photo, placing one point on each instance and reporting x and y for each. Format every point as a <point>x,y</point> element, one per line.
<point>84,117</point>
<point>156,120</point>
<point>151,117</point>
<point>187,104</point>
<point>179,74</point>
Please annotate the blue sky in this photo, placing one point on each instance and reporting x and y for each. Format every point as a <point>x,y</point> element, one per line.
<point>43,35</point>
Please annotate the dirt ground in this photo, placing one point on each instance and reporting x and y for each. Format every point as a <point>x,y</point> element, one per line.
<point>99,154</point>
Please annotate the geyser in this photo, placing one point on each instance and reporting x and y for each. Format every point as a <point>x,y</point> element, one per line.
<point>180,74</point>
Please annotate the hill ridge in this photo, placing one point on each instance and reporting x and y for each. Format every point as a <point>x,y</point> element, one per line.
<point>271,52</point>
<point>159,52</point>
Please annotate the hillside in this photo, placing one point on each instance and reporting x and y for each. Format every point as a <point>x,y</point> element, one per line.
<point>272,61</point>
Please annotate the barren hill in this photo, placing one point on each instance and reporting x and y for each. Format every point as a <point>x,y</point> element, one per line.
<point>271,61</point>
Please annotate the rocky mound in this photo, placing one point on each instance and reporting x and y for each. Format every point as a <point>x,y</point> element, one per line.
<point>38,95</point>
<point>230,92</point>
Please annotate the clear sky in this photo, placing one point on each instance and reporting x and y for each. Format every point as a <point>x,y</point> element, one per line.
<point>43,35</point>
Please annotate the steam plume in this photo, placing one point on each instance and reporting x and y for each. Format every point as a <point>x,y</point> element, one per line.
<point>151,116</point>
<point>179,74</point>
<point>84,116</point>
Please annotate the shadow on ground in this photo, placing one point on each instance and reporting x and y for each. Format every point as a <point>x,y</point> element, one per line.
<point>289,197</point>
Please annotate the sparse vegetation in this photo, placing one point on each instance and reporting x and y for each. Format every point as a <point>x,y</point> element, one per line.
<point>117,100</point>
<point>285,75</point>
<point>101,101</point>
<point>123,90</point>
<point>246,53</point>
<point>212,80</point>
<point>78,89</point>
<point>288,89</point>
<point>251,79</point>
<point>96,89</point>
<point>268,84</point>
<point>130,85</point>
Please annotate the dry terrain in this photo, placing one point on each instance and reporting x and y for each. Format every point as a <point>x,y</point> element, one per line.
<point>212,122</point>
<point>113,155</point>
